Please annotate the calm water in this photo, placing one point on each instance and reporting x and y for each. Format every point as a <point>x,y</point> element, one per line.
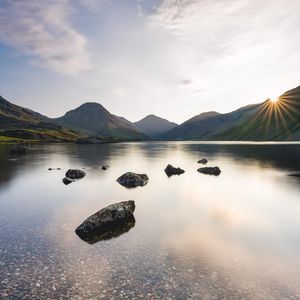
<point>236,236</point>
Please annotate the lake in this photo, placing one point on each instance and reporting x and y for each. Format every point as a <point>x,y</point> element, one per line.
<point>233,236</point>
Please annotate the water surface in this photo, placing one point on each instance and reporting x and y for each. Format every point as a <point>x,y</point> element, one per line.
<point>235,236</point>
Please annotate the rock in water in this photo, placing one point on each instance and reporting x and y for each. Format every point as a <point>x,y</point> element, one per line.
<point>110,221</point>
<point>75,174</point>
<point>210,171</point>
<point>131,180</point>
<point>170,170</point>
<point>67,181</point>
<point>294,174</point>
<point>203,161</point>
<point>105,167</point>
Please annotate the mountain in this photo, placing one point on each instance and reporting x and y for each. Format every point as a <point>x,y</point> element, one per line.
<point>21,124</point>
<point>154,126</point>
<point>206,125</point>
<point>93,118</point>
<point>123,120</point>
<point>279,120</point>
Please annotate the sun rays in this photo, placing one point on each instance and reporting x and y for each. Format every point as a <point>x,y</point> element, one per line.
<point>276,114</point>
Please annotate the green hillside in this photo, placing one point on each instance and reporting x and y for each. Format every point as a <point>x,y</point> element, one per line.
<point>19,124</point>
<point>275,120</point>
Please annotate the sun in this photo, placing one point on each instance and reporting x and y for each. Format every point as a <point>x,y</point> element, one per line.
<point>274,100</point>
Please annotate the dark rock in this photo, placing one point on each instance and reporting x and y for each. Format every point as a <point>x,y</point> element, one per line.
<point>170,170</point>
<point>75,174</point>
<point>131,180</point>
<point>295,174</point>
<point>105,167</point>
<point>109,233</point>
<point>18,150</point>
<point>210,171</point>
<point>108,222</point>
<point>67,181</point>
<point>203,161</point>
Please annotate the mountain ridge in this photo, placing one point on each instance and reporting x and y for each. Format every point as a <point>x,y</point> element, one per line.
<point>154,126</point>
<point>264,121</point>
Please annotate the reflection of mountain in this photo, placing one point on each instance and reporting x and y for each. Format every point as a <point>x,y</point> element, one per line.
<point>283,156</point>
<point>111,232</point>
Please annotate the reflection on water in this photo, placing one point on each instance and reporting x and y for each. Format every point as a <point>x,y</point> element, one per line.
<point>199,237</point>
<point>109,233</point>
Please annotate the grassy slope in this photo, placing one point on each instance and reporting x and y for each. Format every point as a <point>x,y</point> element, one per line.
<point>18,124</point>
<point>274,121</point>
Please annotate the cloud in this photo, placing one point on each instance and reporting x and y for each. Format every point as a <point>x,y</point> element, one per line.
<point>42,30</point>
<point>237,51</point>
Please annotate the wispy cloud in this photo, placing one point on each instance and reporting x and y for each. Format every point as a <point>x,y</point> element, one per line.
<point>217,43</point>
<point>43,31</point>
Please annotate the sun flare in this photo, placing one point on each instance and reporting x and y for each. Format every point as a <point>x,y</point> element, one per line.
<point>274,100</point>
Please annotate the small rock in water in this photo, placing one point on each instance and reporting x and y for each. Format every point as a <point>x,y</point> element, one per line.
<point>295,174</point>
<point>203,161</point>
<point>75,174</point>
<point>210,171</point>
<point>170,170</point>
<point>108,222</point>
<point>67,181</point>
<point>105,167</point>
<point>131,180</point>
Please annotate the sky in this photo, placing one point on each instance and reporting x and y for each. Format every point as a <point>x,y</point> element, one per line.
<point>172,58</point>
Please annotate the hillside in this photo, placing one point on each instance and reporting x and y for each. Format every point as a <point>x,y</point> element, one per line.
<point>21,124</point>
<point>154,126</point>
<point>206,125</point>
<point>93,118</point>
<point>278,120</point>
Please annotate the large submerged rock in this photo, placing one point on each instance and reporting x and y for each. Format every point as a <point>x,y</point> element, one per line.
<point>131,180</point>
<point>108,222</point>
<point>170,170</point>
<point>75,174</point>
<point>210,171</point>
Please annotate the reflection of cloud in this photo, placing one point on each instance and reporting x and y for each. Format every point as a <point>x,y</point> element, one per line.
<point>234,262</point>
<point>42,30</point>
<point>186,81</point>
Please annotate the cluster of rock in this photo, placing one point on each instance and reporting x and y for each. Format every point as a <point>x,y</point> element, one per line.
<point>118,218</point>
<point>72,175</point>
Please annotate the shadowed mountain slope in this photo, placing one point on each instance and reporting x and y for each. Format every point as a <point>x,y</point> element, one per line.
<point>93,118</point>
<point>154,126</point>
<point>18,123</point>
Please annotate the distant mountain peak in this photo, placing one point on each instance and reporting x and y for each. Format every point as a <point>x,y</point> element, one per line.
<point>94,118</point>
<point>154,126</point>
